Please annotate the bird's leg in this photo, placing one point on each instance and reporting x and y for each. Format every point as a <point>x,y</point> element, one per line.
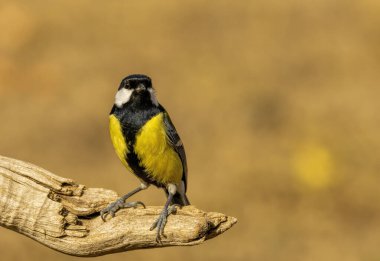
<point>120,203</point>
<point>167,210</point>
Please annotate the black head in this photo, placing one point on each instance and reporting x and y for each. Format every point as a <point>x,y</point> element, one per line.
<point>136,89</point>
<point>133,81</point>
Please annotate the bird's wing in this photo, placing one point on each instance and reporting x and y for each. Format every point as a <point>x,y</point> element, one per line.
<point>176,143</point>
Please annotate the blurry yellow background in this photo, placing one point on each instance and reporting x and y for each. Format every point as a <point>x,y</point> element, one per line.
<point>277,103</point>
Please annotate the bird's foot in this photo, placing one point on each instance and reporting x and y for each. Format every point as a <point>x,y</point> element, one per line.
<point>112,208</point>
<point>161,222</point>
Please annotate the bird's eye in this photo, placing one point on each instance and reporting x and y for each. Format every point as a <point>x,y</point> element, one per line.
<point>132,84</point>
<point>147,83</point>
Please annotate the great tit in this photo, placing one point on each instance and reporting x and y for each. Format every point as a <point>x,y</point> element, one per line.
<point>148,145</point>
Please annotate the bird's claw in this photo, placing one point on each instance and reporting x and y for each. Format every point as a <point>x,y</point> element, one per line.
<point>161,222</point>
<point>112,208</point>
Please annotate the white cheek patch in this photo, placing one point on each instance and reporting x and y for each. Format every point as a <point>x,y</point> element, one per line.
<point>122,97</point>
<point>153,96</point>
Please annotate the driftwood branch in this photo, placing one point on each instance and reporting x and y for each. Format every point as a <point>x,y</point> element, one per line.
<point>64,215</point>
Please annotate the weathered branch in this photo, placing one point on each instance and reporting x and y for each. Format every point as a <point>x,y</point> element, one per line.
<point>63,215</point>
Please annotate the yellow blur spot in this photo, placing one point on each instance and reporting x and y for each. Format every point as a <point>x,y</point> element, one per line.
<point>313,165</point>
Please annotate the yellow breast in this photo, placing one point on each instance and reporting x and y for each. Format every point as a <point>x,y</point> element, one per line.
<point>156,155</point>
<point>118,140</point>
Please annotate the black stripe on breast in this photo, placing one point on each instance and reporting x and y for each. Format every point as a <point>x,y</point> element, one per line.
<point>139,171</point>
<point>132,121</point>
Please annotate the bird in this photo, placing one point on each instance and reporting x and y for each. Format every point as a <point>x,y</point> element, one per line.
<point>148,145</point>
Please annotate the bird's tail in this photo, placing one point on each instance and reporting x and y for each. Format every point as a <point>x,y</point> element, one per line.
<point>179,199</point>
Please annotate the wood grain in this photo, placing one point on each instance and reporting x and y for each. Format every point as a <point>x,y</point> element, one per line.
<point>64,215</point>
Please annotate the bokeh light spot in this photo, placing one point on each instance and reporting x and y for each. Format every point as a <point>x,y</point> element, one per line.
<point>313,166</point>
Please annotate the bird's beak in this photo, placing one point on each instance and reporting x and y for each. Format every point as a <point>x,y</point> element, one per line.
<point>140,88</point>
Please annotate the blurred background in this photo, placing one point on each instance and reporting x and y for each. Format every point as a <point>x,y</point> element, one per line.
<point>277,103</point>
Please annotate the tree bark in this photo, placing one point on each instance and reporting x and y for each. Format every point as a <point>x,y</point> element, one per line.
<point>64,215</point>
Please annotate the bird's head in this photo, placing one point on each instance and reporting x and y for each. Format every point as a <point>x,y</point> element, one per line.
<point>135,88</point>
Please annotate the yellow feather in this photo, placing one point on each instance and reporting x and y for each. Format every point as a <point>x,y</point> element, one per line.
<point>118,140</point>
<point>157,156</point>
